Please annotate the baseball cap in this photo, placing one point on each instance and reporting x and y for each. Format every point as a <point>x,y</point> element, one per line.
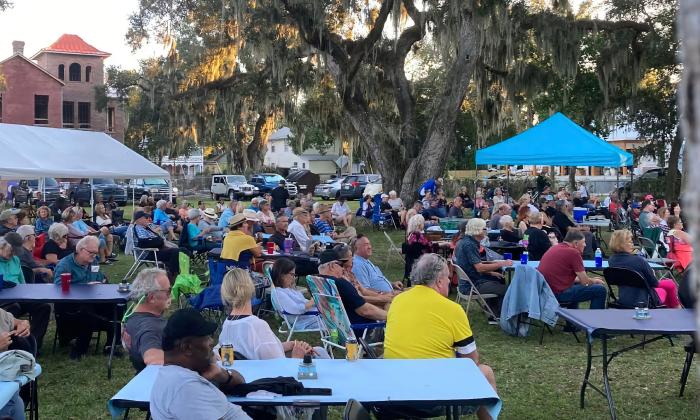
<point>327,256</point>
<point>140,213</point>
<point>7,213</point>
<point>25,230</point>
<point>183,323</point>
<point>385,196</point>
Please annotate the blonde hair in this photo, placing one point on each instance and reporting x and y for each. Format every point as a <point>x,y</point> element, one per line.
<point>536,218</point>
<point>100,209</point>
<point>415,224</point>
<point>662,212</point>
<point>619,240</point>
<point>48,211</point>
<point>524,199</point>
<point>237,288</point>
<point>506,221</point>
<point>475,226</point>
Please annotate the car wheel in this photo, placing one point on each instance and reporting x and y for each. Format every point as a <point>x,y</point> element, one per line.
<point>231,195</point>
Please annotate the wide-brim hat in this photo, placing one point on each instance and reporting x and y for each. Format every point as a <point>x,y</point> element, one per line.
<point>210,213</point>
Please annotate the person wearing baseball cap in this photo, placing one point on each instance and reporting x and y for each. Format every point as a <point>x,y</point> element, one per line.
<point>145,237</point>
<point>239,244</point>
<point>24,249</point>
<point>8,221</point>
<point>190,385</point>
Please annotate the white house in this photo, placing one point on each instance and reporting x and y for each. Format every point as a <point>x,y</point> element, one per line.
<point>280,155</point>
<point>184,165</point>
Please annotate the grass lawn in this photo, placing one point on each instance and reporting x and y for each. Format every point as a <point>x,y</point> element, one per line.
<point>535,381</point>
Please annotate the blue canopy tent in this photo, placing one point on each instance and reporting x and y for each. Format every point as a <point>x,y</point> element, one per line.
<point>556,141</point>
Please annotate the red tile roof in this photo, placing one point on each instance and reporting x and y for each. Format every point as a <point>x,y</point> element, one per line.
<point>73,44</point>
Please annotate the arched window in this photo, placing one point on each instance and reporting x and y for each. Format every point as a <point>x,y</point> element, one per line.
<point>74,72</point>
<point>62,72</point>
<point>88,70</point>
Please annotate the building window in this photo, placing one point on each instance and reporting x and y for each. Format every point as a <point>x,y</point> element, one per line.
<point>68,114</point>
<point>88,70</point>
<point>74,72</point>
<point>303,165</point>
<point>62,72</point>
<point>110,119</point>
<point>83,114</point>
<point>295,165</point>
<point>41,109</point>
<point>272,149</point>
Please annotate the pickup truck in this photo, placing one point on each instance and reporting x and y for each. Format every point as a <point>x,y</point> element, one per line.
<point>104,189</point>
<point>25,191</point>
<point>158,188</point>
<point>267,182</point>
<point>232,186</point>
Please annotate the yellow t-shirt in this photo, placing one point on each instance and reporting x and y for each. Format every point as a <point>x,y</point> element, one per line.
<point>423,324</point>
<point>236,242</point>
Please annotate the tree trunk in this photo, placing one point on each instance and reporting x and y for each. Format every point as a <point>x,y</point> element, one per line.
<point>689,98</point>
<point>257,148</point>
<point>672,174</point>
<point>572,178</point>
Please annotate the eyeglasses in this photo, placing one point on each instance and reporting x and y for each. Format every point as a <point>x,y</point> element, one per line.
<point>168,290</point>
<point>91,252</point>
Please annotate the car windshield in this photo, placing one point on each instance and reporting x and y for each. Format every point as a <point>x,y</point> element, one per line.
<point>50,182</point>
<point>103,180</point>
<point>155,181</point>
<point>236,179</point>
<point>273,178</point>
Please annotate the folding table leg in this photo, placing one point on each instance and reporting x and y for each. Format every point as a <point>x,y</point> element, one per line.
<point>589,360</point>
<point>606,382</point>
<point>115,323</point>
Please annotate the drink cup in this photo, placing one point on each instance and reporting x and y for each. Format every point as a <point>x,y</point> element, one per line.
<point>270,247</point>
<point>351,350</point>
<point>288,244</point>
<point>65,282</point>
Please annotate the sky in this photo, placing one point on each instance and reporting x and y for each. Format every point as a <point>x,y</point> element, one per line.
<point>101,23</point>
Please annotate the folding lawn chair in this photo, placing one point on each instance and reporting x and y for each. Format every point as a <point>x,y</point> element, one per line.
<point>393,248</point>
<point>142,256</point>
<point>474,294</point>
<point>334,317</point>
<point>289,321</point>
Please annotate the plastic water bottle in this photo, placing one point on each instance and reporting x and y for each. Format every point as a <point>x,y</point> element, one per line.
<point>307,369</point>
<point>598,258</point>
<point>523,258</point>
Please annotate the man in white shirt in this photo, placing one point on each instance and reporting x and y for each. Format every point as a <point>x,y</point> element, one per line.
<point>341,212</point>
<point>368,274</point>
<point>298,229</point>
<point>190,384</point>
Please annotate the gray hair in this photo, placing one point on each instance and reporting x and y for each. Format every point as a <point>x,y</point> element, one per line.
<point>3,243</point>
<point>161,203</point>
<point>475,226</point>
<point>427,269</point>
<point>85,241</point>
<point>57,231</point>
<point>505,220</point>
<point>146,282</point>
<point>193,213</point>
<point>561,205</point>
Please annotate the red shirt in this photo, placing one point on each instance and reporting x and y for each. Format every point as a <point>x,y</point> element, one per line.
<point>559,266</point>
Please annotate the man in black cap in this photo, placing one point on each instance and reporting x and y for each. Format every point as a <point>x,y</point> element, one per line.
<point>190,383</point>
<point>279,195</point>
<point>145,237</point>
<point>358,309</point>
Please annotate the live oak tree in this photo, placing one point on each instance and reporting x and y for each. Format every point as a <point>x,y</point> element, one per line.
<point>271,53</point>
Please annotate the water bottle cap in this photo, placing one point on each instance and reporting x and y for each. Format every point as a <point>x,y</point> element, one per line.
<point>307,359</point>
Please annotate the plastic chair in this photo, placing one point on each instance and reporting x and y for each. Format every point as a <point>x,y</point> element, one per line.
<point>354,410</point>
<point>289,321</point>
<point>623,277</point>
<point>473,294</point>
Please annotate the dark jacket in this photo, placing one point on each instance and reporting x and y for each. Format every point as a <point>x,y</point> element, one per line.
<point>280,195</point>
<point>629,296</point>
<point>537,243</point>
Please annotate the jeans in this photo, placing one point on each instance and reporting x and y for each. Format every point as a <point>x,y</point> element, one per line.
<point>14,408</point>
<point>596,293</point>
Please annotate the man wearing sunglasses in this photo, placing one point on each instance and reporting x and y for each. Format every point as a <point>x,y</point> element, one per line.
<point>143,332</point>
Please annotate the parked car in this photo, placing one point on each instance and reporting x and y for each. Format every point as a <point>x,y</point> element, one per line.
<point>354,185</point>
<point>26,191</point>
<point>103,188</point>
<point>267,182</point>
<point>329,189</point>
<point>305,180</point>
<point>373,188</point>
<point>158,188</point>
<point>232,186</point>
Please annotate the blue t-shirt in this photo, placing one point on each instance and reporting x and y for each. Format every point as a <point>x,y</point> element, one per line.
<point>160,217</point>
<point>369,275</point>
<point>82,227</point>
<point>226,215</point>
<point>192,232</point>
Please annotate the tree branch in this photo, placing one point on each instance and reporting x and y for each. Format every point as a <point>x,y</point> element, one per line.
<point>361,49</point>
<point>531,20</point>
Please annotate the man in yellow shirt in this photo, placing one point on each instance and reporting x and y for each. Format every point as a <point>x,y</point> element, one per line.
<point>239,240</point>
<point>422,323</point>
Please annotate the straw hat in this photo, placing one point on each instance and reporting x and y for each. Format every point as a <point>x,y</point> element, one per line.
<point>210,213</point>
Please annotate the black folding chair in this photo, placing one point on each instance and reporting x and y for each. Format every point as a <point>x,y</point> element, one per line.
<point>354,410</point>
<point>624,277</point>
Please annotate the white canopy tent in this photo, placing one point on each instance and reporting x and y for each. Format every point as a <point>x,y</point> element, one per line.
<point>30,152</point>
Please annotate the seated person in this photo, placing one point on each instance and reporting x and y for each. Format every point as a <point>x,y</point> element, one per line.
<point>291,300</point>
<point>431,212</point>
<point>145,237</point>
<point>251,336</point>
<point>190,383</point>
<point>380,299</point>
<point>103,219</point>
<point>81,320</point>
<point>562,268</point>
<point>78,229</point>
<point>299,228</point>
<point>209,220</point>
<point>57,246</point>
<point>14,335</point>
<point>358,309</point>
<point>23,242</point>
<point>196,237</point>
<point>680,248</point>
<point>227,214</point>
<point>324,224</point>
<point>143,332</point>
<point>416,209</point>
<point>538,239</point>
<point>239,244</point>
<point>366,207</point>
<point>265,214</point>
<point>423,323</point>
<point>508,231</point>
<point>43,220</point>
<point>9,221</point>
<point>368,274</point>
<point>280,234</point>
<point>457,209</point>
<point>485,275</point>
<point>623,256</point>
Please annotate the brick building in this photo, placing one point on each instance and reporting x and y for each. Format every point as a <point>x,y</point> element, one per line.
<point>56,88</point>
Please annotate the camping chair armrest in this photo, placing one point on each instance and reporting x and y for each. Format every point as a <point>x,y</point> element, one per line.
<point>305,313</point>
<point>368,326</point>
<point>147,249</point>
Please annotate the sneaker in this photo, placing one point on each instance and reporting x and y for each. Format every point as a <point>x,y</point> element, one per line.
<point>493,321</point>
<point>108,262</point>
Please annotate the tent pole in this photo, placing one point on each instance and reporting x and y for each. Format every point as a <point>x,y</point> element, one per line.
<point>617,173</point>
<point>92,196</point>
<point>508,184</point>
